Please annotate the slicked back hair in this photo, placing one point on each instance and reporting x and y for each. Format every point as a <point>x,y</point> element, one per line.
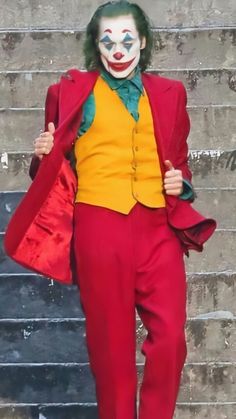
<point>115,9</point>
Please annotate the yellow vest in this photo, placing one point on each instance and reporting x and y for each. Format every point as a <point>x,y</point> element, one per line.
<point>116,159</point>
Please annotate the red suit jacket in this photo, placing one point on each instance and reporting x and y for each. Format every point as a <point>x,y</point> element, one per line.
<point>40,233</point>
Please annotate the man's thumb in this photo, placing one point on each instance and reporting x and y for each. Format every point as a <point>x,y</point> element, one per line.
<point>169,165</point>
<point>51,127</point>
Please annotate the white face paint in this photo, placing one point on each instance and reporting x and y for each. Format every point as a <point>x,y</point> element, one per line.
<point>119,45</point>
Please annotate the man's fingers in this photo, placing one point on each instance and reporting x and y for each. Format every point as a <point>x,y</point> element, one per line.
<point>51,127</point>
<point>173,173</point>
<point>173,179</point>
<point>169,165</point>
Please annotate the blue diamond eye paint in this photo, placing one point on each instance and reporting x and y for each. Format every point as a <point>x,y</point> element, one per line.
<point>106,39</point>
<point>127,42</point>
<point>108,44</point>
<point>127,38</point>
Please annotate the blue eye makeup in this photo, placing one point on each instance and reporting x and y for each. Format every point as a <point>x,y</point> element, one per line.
<point>127,45</point>
<point>106,39</point>
<point>108,44</point>
<point>128,42</point>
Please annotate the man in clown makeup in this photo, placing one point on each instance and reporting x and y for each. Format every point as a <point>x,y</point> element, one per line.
<point>119,226</point>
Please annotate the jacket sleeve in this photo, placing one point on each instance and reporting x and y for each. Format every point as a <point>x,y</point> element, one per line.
<point>183,129</point>
<point>51,115</point>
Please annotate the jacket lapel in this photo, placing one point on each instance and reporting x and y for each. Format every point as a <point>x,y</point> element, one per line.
<point>163,104</point>
<point>74,90</point>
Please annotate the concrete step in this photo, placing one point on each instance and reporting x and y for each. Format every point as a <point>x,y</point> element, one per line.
<point>208,339</point>
<point>210,202</point>
<point>218,255</point>
<point>211,169</point>
<point>89,411</point>
<point>211,292</point>
<point>42,341</point>
<point>54,411</point>
<point>209,128</point>
<point>73,383</point>
<point>41,14</point>
<point>36,297</point>
<point>174,48</point>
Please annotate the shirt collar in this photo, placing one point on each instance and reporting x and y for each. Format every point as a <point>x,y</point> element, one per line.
<point>115,83</point>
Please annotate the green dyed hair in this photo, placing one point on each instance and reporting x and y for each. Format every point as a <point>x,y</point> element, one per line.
<point>114,9</point>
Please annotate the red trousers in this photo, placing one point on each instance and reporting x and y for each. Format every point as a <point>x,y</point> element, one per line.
<point>126,262</point>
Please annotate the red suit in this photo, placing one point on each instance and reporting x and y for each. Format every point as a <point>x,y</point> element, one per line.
<point>42,230</point>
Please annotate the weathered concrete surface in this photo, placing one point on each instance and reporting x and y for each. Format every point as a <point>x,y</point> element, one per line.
<point>217,204</point>
<point>28,89</point>
<point>207,87</point>
<point>214,203</point>
<point>41,14</point>
<point>14,169</point>
<point>19,129</point>
<point>211,128</point>
<point>74,383</point>
<point>176,49</point>
<point>40,341</point>
<point>211,168</point>
<point>46,383</point>
<point>211,292</point>
<point>37,297</point>
<point>207,340</point>
<point>218,256</point>
<point>206,411</point>
<point>25,90</point>
<point>206,382</point>
<point>75,411</point>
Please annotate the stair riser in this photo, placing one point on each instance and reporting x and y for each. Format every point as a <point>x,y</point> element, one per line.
<point>213,48</point>
<point>213,203</point>
<point>207,340</point>
<point>207,293</point>
<point>80,412</point>
<point>210,169</point>
<point>40,342</point>
<point>44,412</point>
<point>218,256</point>
<point>211,128</point>
<point>37,297</point>
<point>64,384</point>
<point>71,412</point>
<point>41,14</point>
<point>220,248</point>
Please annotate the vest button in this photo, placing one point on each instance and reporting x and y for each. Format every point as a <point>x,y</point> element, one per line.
<point>135,179</point>
<point>136,148</point>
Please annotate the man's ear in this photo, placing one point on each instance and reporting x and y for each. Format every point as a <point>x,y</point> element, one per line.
<point>143,43</point>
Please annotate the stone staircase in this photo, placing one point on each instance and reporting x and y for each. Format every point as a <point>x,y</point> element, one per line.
<point>44,370</point>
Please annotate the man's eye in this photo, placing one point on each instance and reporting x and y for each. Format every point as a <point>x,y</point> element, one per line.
<point>127,45</point>
<point>108,45</point>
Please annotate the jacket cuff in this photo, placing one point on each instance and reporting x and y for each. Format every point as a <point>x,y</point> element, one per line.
<point>188,193</point>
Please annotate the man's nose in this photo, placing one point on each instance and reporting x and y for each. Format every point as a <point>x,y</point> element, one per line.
<point>118,55</point>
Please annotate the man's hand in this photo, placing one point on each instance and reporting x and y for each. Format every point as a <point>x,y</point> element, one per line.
<point>44,143</point>
<point>173,180</point>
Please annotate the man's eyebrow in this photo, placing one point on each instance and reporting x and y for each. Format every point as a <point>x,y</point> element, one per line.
<point>108,30</point>
<point>106,39</point>
<point>126,30</point>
